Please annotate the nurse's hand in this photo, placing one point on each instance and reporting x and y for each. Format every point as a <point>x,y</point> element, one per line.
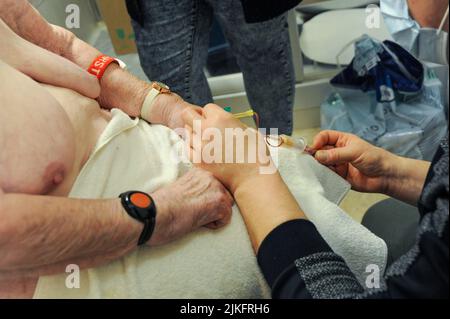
<point>370,169</point>
<point>364,166</point>
<point>195,200</point>
<point>226,147</point>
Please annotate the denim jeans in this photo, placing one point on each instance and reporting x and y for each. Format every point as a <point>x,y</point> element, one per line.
<point>172,37</point>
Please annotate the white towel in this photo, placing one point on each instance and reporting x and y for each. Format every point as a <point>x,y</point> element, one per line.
<point>355,243</point>
<point>131,154</point>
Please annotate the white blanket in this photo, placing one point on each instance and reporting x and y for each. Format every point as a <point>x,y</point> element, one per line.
<point>131,154</point>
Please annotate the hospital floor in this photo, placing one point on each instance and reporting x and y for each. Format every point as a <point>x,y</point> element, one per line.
<point>355,204</point>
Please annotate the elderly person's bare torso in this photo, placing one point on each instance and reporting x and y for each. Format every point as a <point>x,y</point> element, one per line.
<point>44,142</point>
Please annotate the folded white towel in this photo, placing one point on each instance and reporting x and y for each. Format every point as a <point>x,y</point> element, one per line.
<point>131,154</point>
<point>356,244</point>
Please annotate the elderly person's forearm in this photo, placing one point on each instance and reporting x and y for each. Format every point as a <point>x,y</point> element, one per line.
<point>38,231</point>
<point>119,88</point>
<point>51,68</point>
<point>23,19</point>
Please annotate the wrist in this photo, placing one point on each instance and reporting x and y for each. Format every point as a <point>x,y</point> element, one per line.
<point>265,203</point>
<point>163,219</point>
<point>251,180</point>
<point>406,179</point>
<point>109,71</point>
<point>245,183</point>
<point>120,89</point>
<point>391,171</point>
<point>132,227</point>
<point>163,108</point>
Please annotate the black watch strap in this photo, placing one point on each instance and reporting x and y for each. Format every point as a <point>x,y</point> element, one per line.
<point>141,207</point>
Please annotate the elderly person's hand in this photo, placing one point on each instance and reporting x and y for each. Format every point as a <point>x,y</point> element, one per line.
<point>368,168</point>
<point>195,200</point>
<point>45,66</point>
<point>224,146</point>
<point>169,109</point>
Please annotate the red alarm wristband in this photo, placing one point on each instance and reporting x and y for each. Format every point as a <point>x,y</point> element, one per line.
<point>100,64</point>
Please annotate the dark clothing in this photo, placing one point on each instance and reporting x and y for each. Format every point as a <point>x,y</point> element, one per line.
<point>396,223</point>
<point>262,10</point>
<point>298,263</point>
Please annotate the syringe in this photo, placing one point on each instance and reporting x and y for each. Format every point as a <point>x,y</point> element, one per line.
<point>298,143</point>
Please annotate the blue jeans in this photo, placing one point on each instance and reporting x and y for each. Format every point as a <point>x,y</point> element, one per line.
<point>172,37</point>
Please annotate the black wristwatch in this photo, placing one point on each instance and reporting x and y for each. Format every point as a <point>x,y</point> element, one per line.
<point>141,207</point>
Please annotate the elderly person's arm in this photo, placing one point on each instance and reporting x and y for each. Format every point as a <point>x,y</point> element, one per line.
<point>45,66</point>
<point>39,231</point>
<point>41,235</point>
<point>119,88</point>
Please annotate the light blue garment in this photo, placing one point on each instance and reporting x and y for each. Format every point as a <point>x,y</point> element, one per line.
<point>427,44</point>
<point>402,27</point>
<point>432,46</point>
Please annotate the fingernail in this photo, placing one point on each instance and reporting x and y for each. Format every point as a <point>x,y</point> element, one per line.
<point>321,156</point>
<point>310,151</point>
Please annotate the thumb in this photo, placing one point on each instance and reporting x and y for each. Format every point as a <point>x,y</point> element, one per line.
<point>336,156</point>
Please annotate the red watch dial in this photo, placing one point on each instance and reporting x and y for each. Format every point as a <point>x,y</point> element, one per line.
<point>140,200</point>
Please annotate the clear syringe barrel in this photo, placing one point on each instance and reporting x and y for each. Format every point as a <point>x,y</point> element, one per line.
<point>296,142</point>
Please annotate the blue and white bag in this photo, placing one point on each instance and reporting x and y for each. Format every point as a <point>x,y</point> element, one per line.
<point>387,97</point>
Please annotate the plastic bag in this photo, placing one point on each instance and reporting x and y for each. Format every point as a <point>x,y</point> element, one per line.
<point>389,99</point>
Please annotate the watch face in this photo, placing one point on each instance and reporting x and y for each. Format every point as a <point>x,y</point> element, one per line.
<point>164,86</point>
<point>140,200</point>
